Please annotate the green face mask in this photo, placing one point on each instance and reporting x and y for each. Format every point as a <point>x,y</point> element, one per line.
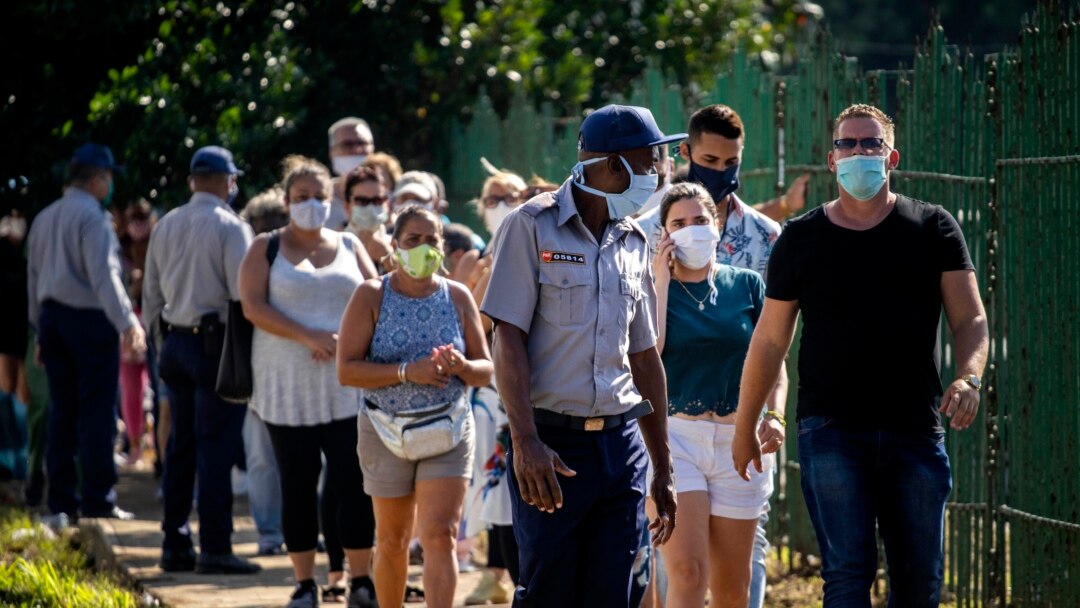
<point>108,195</point>
<point>419,262</point>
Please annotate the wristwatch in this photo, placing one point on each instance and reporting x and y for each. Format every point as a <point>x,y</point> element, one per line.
<point>972,380</point>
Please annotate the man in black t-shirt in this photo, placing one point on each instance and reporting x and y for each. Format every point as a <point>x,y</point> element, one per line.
<point>870,273</point>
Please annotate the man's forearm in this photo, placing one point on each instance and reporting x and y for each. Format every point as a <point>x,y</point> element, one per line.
<point>972,344</point>
<point>759,379</point>
<point>513,379</point>
<point>778,397</point>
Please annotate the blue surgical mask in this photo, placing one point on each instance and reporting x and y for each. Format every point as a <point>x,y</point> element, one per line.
<point>109,195</point>
<point>718,183</point>
<point>621,204</point>
<point>861,176</point>
<point>233,191</point>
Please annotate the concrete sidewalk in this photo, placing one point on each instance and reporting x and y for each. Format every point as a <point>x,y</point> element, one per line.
<point>136,548</point>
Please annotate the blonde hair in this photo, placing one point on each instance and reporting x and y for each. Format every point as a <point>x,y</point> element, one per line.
<point>508,180</point>
<point>862,110</point>
<point>296,166</point>
<point>387,163</point>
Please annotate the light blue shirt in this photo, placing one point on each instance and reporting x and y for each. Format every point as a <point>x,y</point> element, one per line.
<point>193,261</point>
<point>586,305</point>
<point>73,257</point>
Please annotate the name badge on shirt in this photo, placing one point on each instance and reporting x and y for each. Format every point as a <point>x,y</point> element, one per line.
<point>562,257</point>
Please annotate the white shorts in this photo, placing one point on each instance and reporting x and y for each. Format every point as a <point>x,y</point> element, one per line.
<point>701,452</point>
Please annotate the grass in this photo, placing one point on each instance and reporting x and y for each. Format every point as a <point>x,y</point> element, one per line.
<point>39,568</point>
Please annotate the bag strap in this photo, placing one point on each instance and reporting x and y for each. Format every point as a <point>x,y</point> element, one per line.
<point>272,247</point>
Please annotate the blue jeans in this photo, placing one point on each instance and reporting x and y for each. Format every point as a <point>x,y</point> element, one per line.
<point>583,554</point>
<point>204,443</point>
<point>81,352</point>
<point>264,482</point>
<point>757,563</point>
<point>899,481</point>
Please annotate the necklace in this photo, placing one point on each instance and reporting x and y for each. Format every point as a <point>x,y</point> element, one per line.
<point>700,303</point>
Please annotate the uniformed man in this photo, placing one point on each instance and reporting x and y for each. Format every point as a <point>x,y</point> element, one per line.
<point>81,311</point>
<point>572,296</point>
<point>191,267</point>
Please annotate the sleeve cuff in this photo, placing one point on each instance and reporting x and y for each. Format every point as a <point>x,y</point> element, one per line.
<point>507,316</point>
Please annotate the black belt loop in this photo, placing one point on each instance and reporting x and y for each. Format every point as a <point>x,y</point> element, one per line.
<point>598,423</point>
<point>180,329</point>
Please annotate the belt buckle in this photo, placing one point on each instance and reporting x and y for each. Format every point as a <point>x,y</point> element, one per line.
<point>594,424</point>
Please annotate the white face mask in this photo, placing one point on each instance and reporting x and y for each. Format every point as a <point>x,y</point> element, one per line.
<point>344,164</point>
<point>494,216</point>
<point>310,214</point>
<point>368,217</point>
<point>695,246</point>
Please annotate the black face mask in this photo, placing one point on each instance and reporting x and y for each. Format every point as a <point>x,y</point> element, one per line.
<point>718,183</point>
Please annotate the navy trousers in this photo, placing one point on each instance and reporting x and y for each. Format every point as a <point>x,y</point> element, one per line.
<point>204,442</point>
<point>81,352</point>
<point>583,554</point>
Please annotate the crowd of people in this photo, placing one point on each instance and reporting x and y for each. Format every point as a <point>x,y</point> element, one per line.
<point>598,388</point>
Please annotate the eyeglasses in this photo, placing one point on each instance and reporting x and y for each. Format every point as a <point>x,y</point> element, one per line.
<point>355,143</point>
<point>867,143</point>
<point>373,200</point>
<point>493,201</point>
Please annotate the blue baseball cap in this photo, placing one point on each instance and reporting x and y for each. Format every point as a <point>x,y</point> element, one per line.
<point>213,159</point>
<point>95,155</point>
<point>615,128</point>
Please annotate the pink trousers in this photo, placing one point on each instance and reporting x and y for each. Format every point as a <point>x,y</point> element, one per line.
<point>133,382</point>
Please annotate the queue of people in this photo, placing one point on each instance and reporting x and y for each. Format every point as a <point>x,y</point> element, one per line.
<point>590,388</point>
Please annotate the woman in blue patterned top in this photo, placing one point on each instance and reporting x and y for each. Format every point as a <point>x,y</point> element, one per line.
<point>706,314</point>
<point>414,341</point>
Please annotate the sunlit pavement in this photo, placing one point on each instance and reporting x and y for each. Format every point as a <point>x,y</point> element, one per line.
<point>136,547</point>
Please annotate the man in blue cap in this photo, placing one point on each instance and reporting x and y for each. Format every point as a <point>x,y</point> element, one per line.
<point>191,267</point>
<point>578,371</point>
<point>81,311</point>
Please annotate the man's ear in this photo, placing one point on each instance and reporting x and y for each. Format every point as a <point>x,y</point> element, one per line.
<point>894,159</point>
<point>831,162</point>
<point>684,151</point>
<point>614,165</point>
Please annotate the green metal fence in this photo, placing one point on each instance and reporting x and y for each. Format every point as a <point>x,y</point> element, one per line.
<point>996,141</point>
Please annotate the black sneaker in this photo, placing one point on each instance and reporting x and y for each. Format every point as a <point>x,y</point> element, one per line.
<point>224,563</point>
<point>362,593</point>
<point>304,597</point>
<point>178,560</point>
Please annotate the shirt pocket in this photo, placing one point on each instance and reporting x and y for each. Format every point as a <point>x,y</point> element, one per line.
<point>566,295</point>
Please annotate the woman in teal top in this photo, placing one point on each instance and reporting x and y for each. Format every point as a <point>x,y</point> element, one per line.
<point>706,314</point>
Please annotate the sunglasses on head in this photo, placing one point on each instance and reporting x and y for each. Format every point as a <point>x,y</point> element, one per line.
<point>374,200</point>
<point>493,201</point>
<point>867,143</point>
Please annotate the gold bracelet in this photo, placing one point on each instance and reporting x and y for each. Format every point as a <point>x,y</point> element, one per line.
<point>783,204</point>
<point>776,416</point>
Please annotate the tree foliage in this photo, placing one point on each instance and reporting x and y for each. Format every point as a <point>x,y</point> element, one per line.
<point>160,79</point>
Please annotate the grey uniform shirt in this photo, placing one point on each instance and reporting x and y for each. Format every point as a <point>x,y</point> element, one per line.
<point>73,257</point>
<point>192,261</point>
<point>585,305</point>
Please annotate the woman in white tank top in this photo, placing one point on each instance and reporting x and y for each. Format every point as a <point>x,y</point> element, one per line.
<point>296,299</point>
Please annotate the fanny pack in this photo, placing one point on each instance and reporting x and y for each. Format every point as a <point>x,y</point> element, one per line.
<point>419,434</point>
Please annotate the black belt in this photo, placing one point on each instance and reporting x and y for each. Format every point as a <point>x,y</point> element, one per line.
<point>598,423</point>
<point>181,329</point>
